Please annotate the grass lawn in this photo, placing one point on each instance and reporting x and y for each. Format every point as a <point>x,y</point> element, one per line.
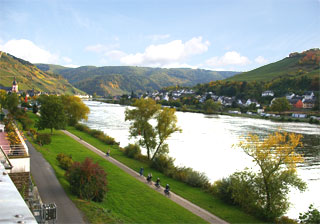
<point>203,199</point>
<point>127,200</point>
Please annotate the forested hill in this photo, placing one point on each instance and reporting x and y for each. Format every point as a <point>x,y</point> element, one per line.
<point>297,73</point>
<point>117,80</point>
<point>30,77</point>
<point>294,66</point>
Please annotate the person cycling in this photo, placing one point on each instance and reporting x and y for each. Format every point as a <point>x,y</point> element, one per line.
<point>157,182</point>
<point>149,177</point>
<point>167,189</point>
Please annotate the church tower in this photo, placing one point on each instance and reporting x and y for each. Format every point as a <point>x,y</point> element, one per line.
<point>15,86</point>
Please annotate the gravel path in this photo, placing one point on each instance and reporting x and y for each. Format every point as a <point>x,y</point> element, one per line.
<point>176,198</point>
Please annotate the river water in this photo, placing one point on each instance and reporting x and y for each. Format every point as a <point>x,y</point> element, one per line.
<point>205,144</point>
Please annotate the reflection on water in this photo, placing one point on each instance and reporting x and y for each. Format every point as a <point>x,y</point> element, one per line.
<point>206,145</point>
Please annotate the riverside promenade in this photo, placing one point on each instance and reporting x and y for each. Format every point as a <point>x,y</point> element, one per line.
<point>174,197</point>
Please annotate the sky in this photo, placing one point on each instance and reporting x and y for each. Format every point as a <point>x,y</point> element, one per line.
<point>232,35</point>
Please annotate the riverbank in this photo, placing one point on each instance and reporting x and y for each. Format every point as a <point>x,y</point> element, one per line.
<point>231,112</point>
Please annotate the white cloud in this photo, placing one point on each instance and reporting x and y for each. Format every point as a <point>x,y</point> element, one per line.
<point>164,55</point>
<point>229,58</point>
<point>28,51</point>
<point>261,60</point>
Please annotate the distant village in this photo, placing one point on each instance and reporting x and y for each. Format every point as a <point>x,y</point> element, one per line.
<point>300,104</point>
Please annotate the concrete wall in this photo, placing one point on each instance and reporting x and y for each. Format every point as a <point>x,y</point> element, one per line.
<point>20,164</point>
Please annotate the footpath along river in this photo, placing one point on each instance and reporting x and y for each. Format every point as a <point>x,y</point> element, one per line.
<point>205,145</point>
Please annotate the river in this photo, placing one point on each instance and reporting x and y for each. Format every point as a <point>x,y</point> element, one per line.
<point>205,144</point>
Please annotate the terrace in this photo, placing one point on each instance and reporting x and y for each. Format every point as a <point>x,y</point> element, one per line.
<point>18,155</point>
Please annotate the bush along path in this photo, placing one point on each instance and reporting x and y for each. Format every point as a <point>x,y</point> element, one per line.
<point>179,200</point>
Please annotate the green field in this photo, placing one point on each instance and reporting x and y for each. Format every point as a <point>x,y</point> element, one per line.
<point>199,197</point>
<point>127,200</point>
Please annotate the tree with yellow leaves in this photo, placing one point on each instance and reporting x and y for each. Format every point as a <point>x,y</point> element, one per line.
<point>267,189</point>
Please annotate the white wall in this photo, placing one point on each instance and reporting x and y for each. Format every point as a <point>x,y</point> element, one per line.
<point>20,165</point>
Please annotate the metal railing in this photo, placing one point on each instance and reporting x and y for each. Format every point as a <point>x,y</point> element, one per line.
<point>14,150</point>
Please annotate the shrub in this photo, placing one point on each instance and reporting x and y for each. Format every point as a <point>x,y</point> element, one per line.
<point>65,161</point>
<point>163,164</point>
<point>13,138</point>
<point>97,134</point>
<point>245,193</point>
<point>132,151</point>
<point>285,220</point>
<point>223,190</point>
<point>82,127</point>
<point>43,139</point>
<point>87,180</point>
<point>311,216</point>
<point>191,177</point>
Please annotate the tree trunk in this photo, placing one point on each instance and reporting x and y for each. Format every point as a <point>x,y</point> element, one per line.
<point>154,155</point>
<point>148,150</point>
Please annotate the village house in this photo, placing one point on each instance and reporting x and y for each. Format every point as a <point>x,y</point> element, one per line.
<point>308,95</point>
<point>308,103</point>
<point>267,93</point>
<point>296,103</point>
<point>249,102</point>
<point>290,96</point>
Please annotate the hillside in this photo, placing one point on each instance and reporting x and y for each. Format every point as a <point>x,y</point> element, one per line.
<point>117,80</point>
<point>30,77</point>
<point>297,64</point>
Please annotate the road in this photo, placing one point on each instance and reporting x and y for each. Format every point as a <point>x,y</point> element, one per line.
<point>50,189</point>
<point>176,198</point>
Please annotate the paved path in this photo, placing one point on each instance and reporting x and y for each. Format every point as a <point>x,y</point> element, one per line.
<point>50,189</point>
<point>176,198</point>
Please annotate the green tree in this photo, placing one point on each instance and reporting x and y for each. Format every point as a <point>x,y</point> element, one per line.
<point>276,159</point>
<point>280,105</point>
<point>210,106</point>
<point>52,114</point>
<point>74,109</point>
<point>150,137</point>
<point>3,98</point>
<point>12,103</point>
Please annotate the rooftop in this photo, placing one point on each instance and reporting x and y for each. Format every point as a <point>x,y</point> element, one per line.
<point>13,209</point>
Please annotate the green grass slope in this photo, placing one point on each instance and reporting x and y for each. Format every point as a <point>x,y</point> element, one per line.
<point>30,77</point>
<point>117,80</point>
<point>297,64</point>
<point>197,196</point>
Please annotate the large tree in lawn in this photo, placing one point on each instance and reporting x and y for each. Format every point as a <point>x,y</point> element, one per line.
<point>75,109</point>
<point>52,113</point>
<point>151,137</point>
